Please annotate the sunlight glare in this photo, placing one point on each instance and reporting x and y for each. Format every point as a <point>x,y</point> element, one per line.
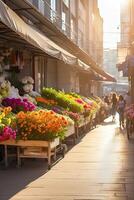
<point>123,2</point>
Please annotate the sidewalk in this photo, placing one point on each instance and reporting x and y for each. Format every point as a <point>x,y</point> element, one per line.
<point>100,167</point>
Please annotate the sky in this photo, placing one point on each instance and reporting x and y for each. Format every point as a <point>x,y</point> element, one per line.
<point>110,11</point>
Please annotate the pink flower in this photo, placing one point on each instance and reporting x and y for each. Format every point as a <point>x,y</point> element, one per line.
<point>7,134</point>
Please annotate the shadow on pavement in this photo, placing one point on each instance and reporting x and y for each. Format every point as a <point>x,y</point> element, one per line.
<point>13,180</point>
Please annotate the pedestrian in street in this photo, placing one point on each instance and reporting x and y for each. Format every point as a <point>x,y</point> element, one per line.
<point>107,105</point>
<point>106,99</point>
<point>114,105</point>
<point>127,99</point>
<point>121,109</point>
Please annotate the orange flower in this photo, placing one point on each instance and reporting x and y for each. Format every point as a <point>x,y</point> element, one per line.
<point>40,122</point>
<point>45,101</point>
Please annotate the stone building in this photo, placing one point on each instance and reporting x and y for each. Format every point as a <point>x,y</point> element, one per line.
<point>61,48</point>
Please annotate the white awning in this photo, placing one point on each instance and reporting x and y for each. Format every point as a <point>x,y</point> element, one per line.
<point>33,36</point>
<point>37,39</point>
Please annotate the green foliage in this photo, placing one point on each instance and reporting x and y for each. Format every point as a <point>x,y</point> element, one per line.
<point>62,99</point>
<point>49,93</point>
<point>75,95</point>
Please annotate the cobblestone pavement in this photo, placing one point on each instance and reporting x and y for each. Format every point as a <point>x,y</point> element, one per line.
<point>100,167</point>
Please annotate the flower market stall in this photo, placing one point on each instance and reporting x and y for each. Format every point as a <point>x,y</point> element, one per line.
<point>41,129</point>
<point>37,123</point>
<point>129,114</point>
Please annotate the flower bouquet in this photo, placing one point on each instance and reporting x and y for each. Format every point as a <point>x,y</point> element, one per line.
<point>62,99</point>
<point>87,105</point>
<point>45,102</point>
<point>74,116</point>
<point>129,112</point>
<point>18,104</point>
<point>7,124</point>
<point>40,125</point>
<point>4,89</point>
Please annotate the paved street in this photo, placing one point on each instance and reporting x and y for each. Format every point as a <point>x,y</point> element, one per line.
<point>100,167</point>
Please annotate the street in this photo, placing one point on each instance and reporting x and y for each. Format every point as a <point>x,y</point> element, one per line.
<point>99,167</point>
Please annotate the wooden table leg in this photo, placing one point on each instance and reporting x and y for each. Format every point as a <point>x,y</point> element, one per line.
<point>49,156</point>
<point>6,156</point>
<point>76,131</point>
<point>74,139</point>
<point>55,156</point>
<point>18,157</point>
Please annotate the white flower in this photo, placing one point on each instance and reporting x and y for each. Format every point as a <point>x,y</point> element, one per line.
<point>28,88</point>
<point>34,94</point>
<point>24,80</point>
<point>31,87</point>
<point>8,84</point>
<point>13,92</point>
<point>3,84</point>
<point>27,79</point>
<point>30,79</point>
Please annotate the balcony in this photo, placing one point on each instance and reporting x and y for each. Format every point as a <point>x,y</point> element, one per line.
<point>51,24</point>
<point>53,16</point>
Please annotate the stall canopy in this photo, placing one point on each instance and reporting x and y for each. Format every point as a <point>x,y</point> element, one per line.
<point>37,39</point>
<point>127,66</point>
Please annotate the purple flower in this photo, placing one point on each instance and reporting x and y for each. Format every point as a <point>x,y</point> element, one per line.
<point>18,104</point>
<point>7,134</point>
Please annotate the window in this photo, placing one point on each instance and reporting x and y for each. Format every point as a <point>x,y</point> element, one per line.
<point>73,7</point>
<point>39,68</point>
<point>66,2</point>
<point>41,6</point>
<point>73,29</point>
<point>53,5</point>
<point>53,10</point>
<point>63,21</point>
<point>82,26</point>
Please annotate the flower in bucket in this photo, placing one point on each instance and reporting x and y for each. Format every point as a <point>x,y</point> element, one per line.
<point>74,116</point>
<point>7,124</point>
<point>40,125</point>
<point>44,101</point>
<point>27,80</point>
<point>7,133</point>
<point>129,112</point>
<point>63,100</point>
<point>4,88</point>
<point>18,104</point>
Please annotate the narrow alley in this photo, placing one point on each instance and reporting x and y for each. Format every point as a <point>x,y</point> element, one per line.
<point>100,167</point>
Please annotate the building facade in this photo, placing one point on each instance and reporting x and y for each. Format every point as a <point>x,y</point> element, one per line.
<point>125,21</point>
<point>126,47</point>
<point>77,28</point>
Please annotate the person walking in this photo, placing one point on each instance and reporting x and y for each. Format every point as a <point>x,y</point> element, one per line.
<point>121,108</point>
<point>107,105</point>
<point>106,100</point>
<point>114,105</point>
<point>127,99</point>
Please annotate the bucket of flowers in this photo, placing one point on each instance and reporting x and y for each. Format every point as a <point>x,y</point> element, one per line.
<point>38,128</point>
<point>18,104</point>
<point>40,125</point>
<point>63,100</point>
<point>7,124</point>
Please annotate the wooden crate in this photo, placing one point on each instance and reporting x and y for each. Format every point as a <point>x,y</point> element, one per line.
<point>32,149</point>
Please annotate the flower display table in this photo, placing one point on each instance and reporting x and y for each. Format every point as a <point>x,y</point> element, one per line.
<point>32,149</point>
<point>81,126</point>
<point>71,133</point>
